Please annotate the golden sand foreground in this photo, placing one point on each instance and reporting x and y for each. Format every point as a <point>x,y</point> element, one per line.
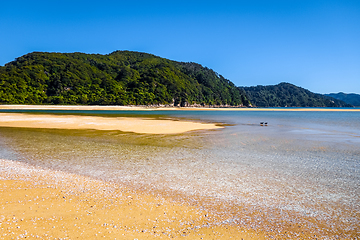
<point>46,204</point>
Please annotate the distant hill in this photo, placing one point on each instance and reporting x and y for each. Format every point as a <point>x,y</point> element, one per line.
<point>135,78</point>
<point>121,78</point>
<point>289,95</point>
<point>350,98</point>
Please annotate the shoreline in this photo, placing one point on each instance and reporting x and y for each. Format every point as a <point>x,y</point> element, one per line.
<point>44,203</point>
<point>125,124</point>
<point>152,108</point>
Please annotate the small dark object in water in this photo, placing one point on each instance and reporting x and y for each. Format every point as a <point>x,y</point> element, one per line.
<point>266,123</point>
<point>261,123</point>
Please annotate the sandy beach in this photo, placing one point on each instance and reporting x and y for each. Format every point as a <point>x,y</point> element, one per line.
<point>142,108</point>
<point>40,203</point>
<point>126,124</point>
<point>46,204</point>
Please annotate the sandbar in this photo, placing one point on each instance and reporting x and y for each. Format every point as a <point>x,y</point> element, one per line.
<point>125,124</point>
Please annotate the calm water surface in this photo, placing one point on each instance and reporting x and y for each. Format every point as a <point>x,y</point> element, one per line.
<point>302,165</point>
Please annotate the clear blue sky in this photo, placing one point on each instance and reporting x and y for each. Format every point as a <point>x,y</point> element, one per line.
<point>312,44</point>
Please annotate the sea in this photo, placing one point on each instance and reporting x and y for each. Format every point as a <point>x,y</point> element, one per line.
<point>299,172</point>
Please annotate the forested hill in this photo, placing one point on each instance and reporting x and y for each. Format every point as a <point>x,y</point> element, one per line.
<point>350,98</point>
<point>289,95</point>
<point>121,78</point>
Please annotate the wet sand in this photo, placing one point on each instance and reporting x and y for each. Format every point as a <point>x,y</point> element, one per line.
<point>125,124</point>
<point>46,204</point>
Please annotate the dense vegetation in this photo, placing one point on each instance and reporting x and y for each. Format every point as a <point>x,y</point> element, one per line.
<point>121,78</point>
<point>134,78</point>
<point>288,95</point>
<point>350,98</point>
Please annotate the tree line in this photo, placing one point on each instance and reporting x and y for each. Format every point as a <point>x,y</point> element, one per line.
<point>118,78</point>
<point>135,78</point>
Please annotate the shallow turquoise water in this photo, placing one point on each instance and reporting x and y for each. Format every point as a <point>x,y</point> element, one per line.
<point>307,163</point>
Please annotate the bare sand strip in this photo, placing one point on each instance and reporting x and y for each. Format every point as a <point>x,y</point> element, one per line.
<point>140,108</point>
<point>47,204</point>
<point>126,124</point>
<point>73,107</point>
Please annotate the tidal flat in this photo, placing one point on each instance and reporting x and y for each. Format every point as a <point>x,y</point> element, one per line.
<point>297,177</point>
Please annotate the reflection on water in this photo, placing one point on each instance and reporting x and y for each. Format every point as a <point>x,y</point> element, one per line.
<point>305,164</point>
